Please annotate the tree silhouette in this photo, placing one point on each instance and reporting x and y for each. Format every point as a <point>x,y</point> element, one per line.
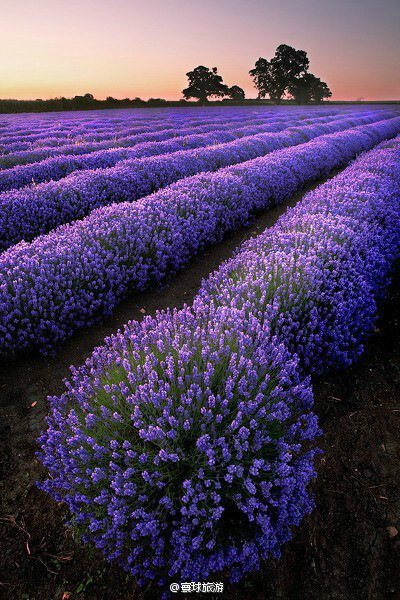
<point>236,93</point>
<point>308,88</point>
<point>273,77</point>
<point>204,83</point>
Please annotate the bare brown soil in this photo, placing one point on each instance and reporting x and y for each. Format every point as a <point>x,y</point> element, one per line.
<point>347,549</point>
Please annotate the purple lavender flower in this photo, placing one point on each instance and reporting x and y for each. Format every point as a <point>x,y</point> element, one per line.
<point>78,273</point>
<point>198,507</point>
<point>224,484</point>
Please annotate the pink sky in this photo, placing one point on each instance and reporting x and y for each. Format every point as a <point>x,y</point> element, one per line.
<point>136,48</point>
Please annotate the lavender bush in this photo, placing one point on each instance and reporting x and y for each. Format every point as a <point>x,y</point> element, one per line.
<point>183,451</point>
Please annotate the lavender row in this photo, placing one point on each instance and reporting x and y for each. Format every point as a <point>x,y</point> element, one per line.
<point>315,277</point>
<point>179,445</point>
<point>73,276</point>
<point>104,125</point>
<point>35,123</point>
<point>55,168</point>
<point>34,155</point>
<point>111,137</point>
<point>75,126</point>
<point>28,123</point>
<point>78,146</point>
<point>109,129</point>
<point>58,167</point>
<point>29,212</point>
<point>121,135</point>
<point>58,138</point>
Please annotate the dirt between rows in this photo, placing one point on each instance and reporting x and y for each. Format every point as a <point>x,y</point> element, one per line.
<point>347,549</point>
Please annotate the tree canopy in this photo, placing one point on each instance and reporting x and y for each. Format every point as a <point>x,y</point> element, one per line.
<point>308,88</point>
<point>236,93</point>
<point>203,83</point>
<point>287,72</point>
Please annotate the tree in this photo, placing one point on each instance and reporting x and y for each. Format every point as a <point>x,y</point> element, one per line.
<point>236,93</point>
<point>84,100</point>
<point>262,77</point>
<point>273,77</point>
<point>308,88</point>
<point>156,101</point>
<point>203,83</point>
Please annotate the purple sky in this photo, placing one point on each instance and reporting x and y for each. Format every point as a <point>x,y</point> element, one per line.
<point>144,48</point>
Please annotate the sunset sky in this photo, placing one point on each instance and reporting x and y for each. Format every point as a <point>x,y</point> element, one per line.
<point>144,48</point>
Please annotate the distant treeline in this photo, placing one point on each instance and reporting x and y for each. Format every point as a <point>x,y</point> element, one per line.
<point>85,102</point>
<point>88,102</point>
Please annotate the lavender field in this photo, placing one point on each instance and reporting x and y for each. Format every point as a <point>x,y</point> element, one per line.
<point>218,278</point>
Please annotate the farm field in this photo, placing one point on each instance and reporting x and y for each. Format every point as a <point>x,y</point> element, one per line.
<point>186,443</point>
